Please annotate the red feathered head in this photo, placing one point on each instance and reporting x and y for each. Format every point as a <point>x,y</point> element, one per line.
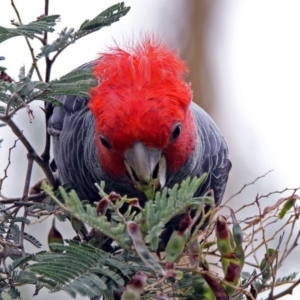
<point>141,96</point>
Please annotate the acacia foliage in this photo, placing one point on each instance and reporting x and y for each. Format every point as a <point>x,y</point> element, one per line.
<point>91,265</point>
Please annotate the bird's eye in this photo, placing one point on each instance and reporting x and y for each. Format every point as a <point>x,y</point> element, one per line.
<point>176,131</point>
<point>105,142</point>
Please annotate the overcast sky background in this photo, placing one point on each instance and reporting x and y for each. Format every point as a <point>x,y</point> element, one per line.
<point>252,52</point>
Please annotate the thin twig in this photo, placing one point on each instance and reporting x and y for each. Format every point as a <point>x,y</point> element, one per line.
<point>288,252</point>
<point>43,165</point>
<point>25,197</point>
<point>288,291</point>
<point>12,97</point>
<point>8,163</point>
<point>246,185</point>
<point>34,198</point>
<point>30,158</point>
<point>279,192</point>
<point>7,216</point>
<point>48,107</point>
<point>28,43</point>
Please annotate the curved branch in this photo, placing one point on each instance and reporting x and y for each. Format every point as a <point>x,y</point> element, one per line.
<point>42,164</point>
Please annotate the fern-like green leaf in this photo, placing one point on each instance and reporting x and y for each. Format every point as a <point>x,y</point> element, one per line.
<point>21,219</point>
<point>22,73</point>
<point>106,18</point>
<point>14,233</point>
<point>170,203</point>
<point>65,37</point>
<point>288,278</point>
<point>88,215</point>
<point>14,293</point>
<point>51,99</point>
<point>77,75</point>
<point>32,240</point>
<point>39,26</point>
<point>21,261</point>
<point>79,269</point>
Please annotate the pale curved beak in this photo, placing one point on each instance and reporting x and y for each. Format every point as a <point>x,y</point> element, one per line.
<point>146,164</point>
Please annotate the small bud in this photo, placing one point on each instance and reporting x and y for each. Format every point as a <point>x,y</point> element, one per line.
<point>113,196</point>
<point>102,207</point>
<point>135,287</point>
<point>54,236</point>
<point>185,222</point>
<point>76,224</point>
<point>134,202</point>
<point>138,282</point>
<point>169,266</point>
<point>224,238</point>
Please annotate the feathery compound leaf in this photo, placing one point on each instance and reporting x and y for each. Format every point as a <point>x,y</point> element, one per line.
<point>79,269</point>
<point>50,99</point>
<point>14,233</point>
<point>39,26</point>
<point>21,261</point>
<point>80,88</point>
<point>65,37</point>
<point>22,73</point>
<point>288,278</point>
<point>21,219</point>
<point>106,18</point>
<point>69,36</point>
<point>14,293</point>
<point>24,91</point>
<point>77,75</point>
<point>75,83</point>
<point>32,240</point>
<point>78,83</point>
<point>169,204</point>
<point>88,215</point>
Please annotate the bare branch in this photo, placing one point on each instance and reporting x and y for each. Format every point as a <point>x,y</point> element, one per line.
<point>286,253</point>
<point>43,165</point>
<point>34,198</point>
<point>8,163</point>
<point>246,185</point>
<point>288,291</point>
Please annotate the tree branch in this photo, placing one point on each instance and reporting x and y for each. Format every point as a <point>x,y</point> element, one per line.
<point>8,164</point>
<point>42,164</point>
<point>288,291</point>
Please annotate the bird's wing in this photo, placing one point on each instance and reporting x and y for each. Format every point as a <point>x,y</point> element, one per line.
<point>213,151</point>
<point>72,129</point>
<point>70,105</point>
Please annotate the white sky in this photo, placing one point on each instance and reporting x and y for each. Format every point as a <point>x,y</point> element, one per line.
<point>254,48</point>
